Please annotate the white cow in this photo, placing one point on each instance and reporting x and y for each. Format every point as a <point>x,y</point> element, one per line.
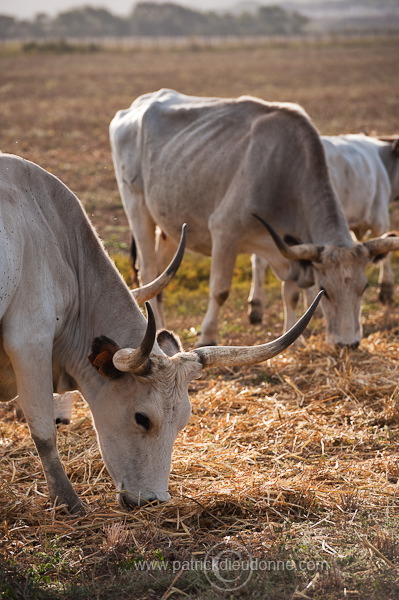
<point>213,162</point>
<point>364,172</point>
<point>62,299</point>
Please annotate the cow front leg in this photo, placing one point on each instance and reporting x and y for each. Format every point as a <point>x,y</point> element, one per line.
<point>222,266</point>
<point>386,282</point>
<point>35,391</point>
<point>43,432</point>
<point>60,488</point>
<point>256,295</point>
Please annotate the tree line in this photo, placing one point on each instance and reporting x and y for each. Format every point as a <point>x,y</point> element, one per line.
<point>148,19</point>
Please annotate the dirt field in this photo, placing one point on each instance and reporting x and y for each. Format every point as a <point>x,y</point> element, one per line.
<point>55,109</point>
<point>291,464</point>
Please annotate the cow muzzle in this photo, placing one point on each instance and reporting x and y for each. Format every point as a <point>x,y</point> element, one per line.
<point>129,500</point>
<point>352,346</point>
<point>351,342</point>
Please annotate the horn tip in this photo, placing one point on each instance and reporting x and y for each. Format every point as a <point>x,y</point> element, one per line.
<point>150,312</point>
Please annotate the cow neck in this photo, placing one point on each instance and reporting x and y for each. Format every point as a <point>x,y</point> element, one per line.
<point>315,213</point>
<point>329,226</point>
<point>104,304</point>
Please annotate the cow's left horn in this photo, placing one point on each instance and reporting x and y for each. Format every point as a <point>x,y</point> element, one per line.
<point>296,252</point>
<point>382,245</point>
<point>130,360</point>
<point>235,356</point>
<point>150,290</point>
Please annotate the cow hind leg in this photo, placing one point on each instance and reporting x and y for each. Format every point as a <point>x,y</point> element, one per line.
<point>256,296</point>
<point>386,282</point>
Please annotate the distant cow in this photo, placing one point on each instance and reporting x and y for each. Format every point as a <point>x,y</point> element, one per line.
<point>63,302</point>
<point>212,163</point>
<point>364,172</point>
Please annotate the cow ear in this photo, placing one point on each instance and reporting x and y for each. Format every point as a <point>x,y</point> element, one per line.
<point>102,352</point>
<point>169,342</point>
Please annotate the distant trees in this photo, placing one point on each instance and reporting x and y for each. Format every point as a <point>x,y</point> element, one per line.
<point>166,19</point>
<point>148,19</point>
<point>88,21</point>
<point>80,22</point>
<point>172,19</point>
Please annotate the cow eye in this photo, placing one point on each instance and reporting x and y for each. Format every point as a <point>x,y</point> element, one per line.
<point>142,420</point>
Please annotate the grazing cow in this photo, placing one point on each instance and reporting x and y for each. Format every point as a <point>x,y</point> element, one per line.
<point>62,299</point>
<point>364,172</point>
<point>212,163</point>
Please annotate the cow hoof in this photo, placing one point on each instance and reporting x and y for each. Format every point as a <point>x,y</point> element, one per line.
<point>255,317</point>
<point>81,509</point>
<point>61,421</point>
<point>19,415</point>
<point>386,294</point>
<point>255,312</point>
<point>75,508</point>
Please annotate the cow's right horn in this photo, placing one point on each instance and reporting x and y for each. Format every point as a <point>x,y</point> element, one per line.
<point>236,356</point>
<point>388,242</point>
<point>150,290</point>
<point>132,360</point>
<point>296,252</point>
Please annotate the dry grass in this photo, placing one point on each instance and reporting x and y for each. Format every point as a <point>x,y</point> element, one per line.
<point>294,459</point>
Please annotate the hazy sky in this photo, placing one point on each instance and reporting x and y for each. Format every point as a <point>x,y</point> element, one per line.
<point>26,9</point>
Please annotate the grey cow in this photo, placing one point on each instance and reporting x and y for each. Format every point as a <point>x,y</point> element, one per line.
<point>364,172</point>
<point>213,162</point>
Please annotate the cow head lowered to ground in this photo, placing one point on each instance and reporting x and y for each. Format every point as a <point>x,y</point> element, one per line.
<point>336,271</point>
<point>79,308</point>
<point>364,172</point>
<point>212,163</point>
<point>148,427</point>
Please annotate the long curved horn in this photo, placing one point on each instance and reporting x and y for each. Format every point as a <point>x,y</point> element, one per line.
<point>152,289</point>
<point>131,360</point>
<point>382,245</point>
<point>235,356</point>
<point>297,252</point>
